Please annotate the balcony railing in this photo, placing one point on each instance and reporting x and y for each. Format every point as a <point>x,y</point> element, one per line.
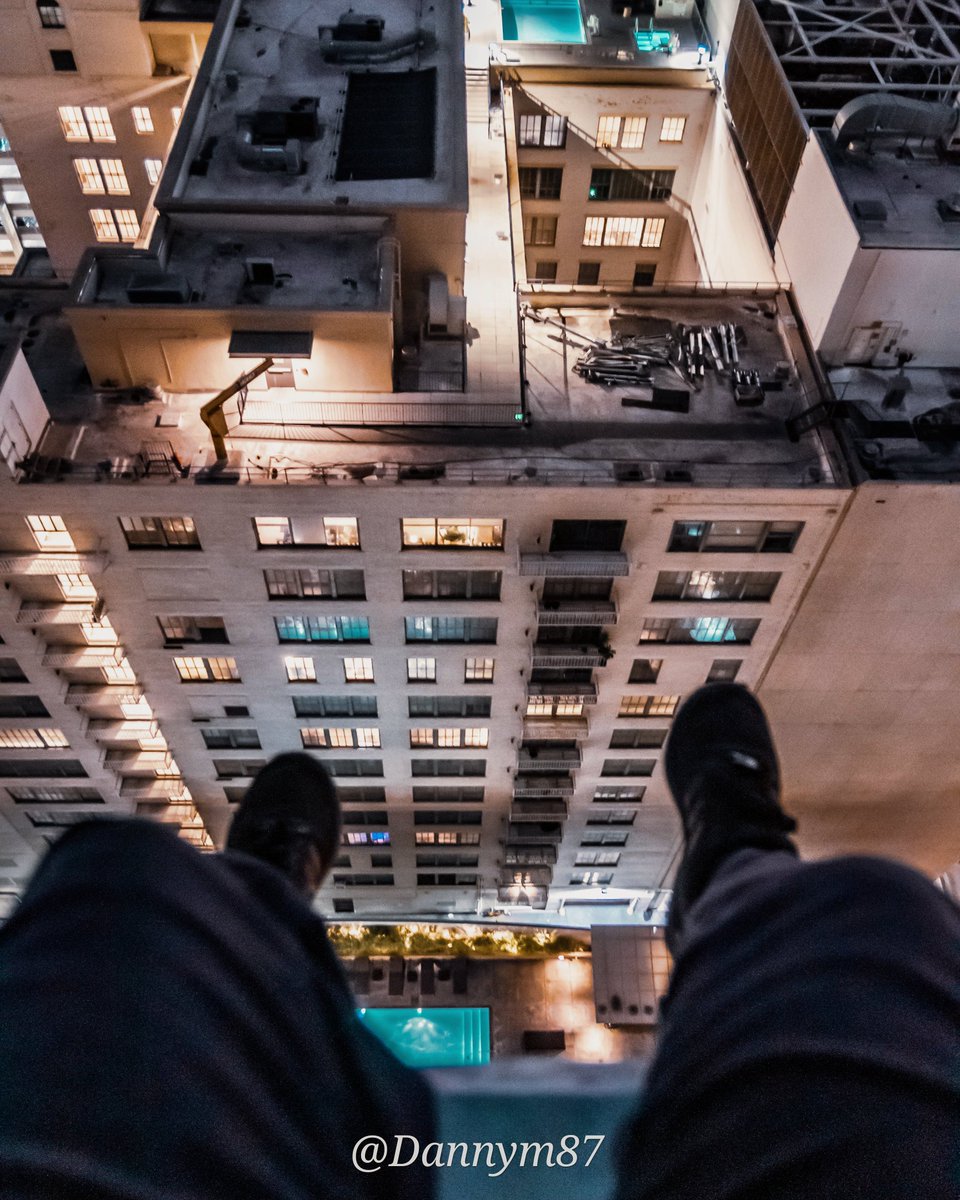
<point>575,564</point>
<point>578,612</point>
<point>560,693</point>
<point>134,788</point>
<point>566,658</point>
<point>549,760</point>
<point>541,787</point>
<point>32,613</point>
<point>530,894</point>
<point>102,695</point>
<point>538,810</point>
<point>52,564</point>
<point>84,659</point>
<point>530,856</point>
<point>558,728</point>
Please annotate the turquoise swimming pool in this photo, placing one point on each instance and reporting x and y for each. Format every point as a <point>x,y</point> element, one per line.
<point>542,21</point>
<point>432,1037</point>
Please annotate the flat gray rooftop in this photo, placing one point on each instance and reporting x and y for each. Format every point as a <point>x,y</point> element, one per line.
<point>907,185</point>
<point>332,271</point>
<point>402,143</point>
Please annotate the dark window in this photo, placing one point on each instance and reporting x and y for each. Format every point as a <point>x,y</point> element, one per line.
<point>343,906</point>
<point>541,129</point>
<point>381,860</point>
<point>630,185</point>
<point>422,767</point>
<point>335,706</point>
<point>588,274</point>
<point>644,274</point>
<point>448,860</point>
<point>699,630</point>
<point>604,839</point>
<point>365,816</point>
<point>628,766</point>
<point>448,706</point>
<point>451,629</point>
<point>448,795</point>
<point>63,60</point>
<point>446,879</point>
<point>645,670</point>
<point>355,766</point>
<point>451,585</point>
<point>587,535</point>
<point>231,739</point>
<point>23,706</point>
<point>545,271</point>
<point>716,585</point>
<point>237,768</point>
<point>541,183</point>
<point>31,768</point>
<point>576,589</point>
<point>735,537</point>
<point>236,710</point>
<point>638,739</point>
<point>55,795</point>
<point>311,583</point>
<point>11,671</point>
<point>540,230</point>
<point>724,670</point>
<point>442,816</point>
<point>177,630</point>
<point>364,880</point>
<point>160,533</point>
<point>372,794</point>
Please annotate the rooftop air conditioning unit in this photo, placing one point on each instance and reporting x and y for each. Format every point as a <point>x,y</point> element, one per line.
<point>358,27</point>
<point>158,289</point>
<point>280,117</point>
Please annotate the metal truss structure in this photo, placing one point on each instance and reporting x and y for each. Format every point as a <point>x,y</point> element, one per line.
<point>836,50</point>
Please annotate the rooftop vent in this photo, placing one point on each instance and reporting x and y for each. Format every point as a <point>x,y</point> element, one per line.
<point>278,118</point>
<point>870,210</point>
<point>287,157</point>
<point>882,116</point>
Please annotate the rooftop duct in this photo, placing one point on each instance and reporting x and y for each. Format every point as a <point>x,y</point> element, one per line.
<point>287,157</point>
<point>889,117</point>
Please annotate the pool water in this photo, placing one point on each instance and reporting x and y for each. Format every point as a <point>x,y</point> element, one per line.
<point>542,21</point>
<point>432,1037</point>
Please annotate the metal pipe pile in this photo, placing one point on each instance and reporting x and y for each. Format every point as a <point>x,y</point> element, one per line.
<point>629,359</point>
<point>703,346</point>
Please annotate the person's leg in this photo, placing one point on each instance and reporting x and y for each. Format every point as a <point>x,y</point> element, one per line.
<point>813,1013</point>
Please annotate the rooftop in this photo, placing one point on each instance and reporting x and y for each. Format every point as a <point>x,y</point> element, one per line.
<point>899,198</point>
<point>296,107</point>
<point>340,269</point>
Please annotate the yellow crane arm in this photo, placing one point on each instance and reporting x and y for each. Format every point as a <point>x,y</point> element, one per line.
<point>212,412</point>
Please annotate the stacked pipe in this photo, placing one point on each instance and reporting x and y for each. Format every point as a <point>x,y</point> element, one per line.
<point>703,346</point>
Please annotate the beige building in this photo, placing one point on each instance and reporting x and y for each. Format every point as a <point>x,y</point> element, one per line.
<point>90,98</point>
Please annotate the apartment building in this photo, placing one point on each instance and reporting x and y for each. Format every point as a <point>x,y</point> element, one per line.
<point>90,97</point>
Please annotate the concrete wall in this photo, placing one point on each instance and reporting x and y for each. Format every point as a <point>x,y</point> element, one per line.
<point>186,350</point>
<point>862,690</point>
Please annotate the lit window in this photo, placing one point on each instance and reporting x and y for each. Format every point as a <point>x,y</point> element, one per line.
<point>207,670</point>
<point>104,226</point>
<point>50,533</point>
<point>99,123</point>
<point>652,233</point>
<point>421,670</point>
<point>300,670</point>
<point>680,630</point>
<point>475,738</point>
<point>115,177</point>
<point>322,629</point>
<point>776,537</point>
<point>468,533</point>
<point>176,113</point>
<point>421,737</point>
<point>539,130</point>
<point>142,118</point>
<point>88,173</point>
<point>77,587</point>
<point>451,629</point>
<point>608,131</point>
<point>51,15</point>
<point>618,231</point>
<point>478,670</point>
<point>341,738</point>
<point>671,129</point>
<point>154,168</point>
<point>72,123</point>
<point>307,531</point>
<point>171,533</point>
<point>368,737</point>
<point>358,670</point>
<point>540,230</point>
<point>593,231</point>
<point>33,739</point>
<point>128,223</point>
<point>632,135</point>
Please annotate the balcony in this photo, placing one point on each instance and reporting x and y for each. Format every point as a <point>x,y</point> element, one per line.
<point>573,729</point>
<point>52,564</point>
<point>538,810</point>
<point>560,693</point>
<point>35,614</point>
<point>525,877</point>
<point>578,612</point>
<point>575,564</point>
<point>122,735</point>
<point>534,833</point>
<point>140,764</point>
<point>84,659</point>
<point>141,789</point>
<point>565,658</point>
<point>92,696</point>
<point>530,856</point>
<point>549,760</point>
<point>541,787</point>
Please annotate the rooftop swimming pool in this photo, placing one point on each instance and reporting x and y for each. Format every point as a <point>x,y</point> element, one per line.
<point>542,21</point>
<point>433,1037</point>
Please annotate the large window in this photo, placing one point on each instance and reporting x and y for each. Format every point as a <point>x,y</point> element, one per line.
<point>355,767</point>
<point>230,739</point>
<point>50,532</point>
<point>672,129</point>
<point>335,706</point>
<point>114,176</point>
<point>542,129</point>
<point>648,706</point>
<point>451,585</point>
<point>439,767</point>
<point>623,231</point>
<point>625,132</point>
<point>612,184</point>
<point>207,670</point>
<point>73,123</point>
<point>458,533</point>
<point>638,739</point>
<point>33,739</point>
<point>342,532</point>
<point>99,124</point>
<point>710,630</point>
<point>448,706</point>
<point>421,670</point>
<point>128,224</point>
<point>341,737</point>
<point>541,183</point>
<point>645,670</point>
<point>63,60</point>
<point>51,15</point>
<point>447,795</point>
<point>358,670</point>
<point>313,583</point>
<point>735,537</point>
<point>104,226</point>
<point>89,177</point>
<point>478,670</point>
<point>300,670</point>
<point>715,585</point>
<point>142,118</point>
<point>160,533</point>
<point>540,230</point>
<point>451,629</point>
<point>449,738</point>
<point>628,766</point>
<point>193,629</point>
<point>612,794</point>
<point>322,629</point>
